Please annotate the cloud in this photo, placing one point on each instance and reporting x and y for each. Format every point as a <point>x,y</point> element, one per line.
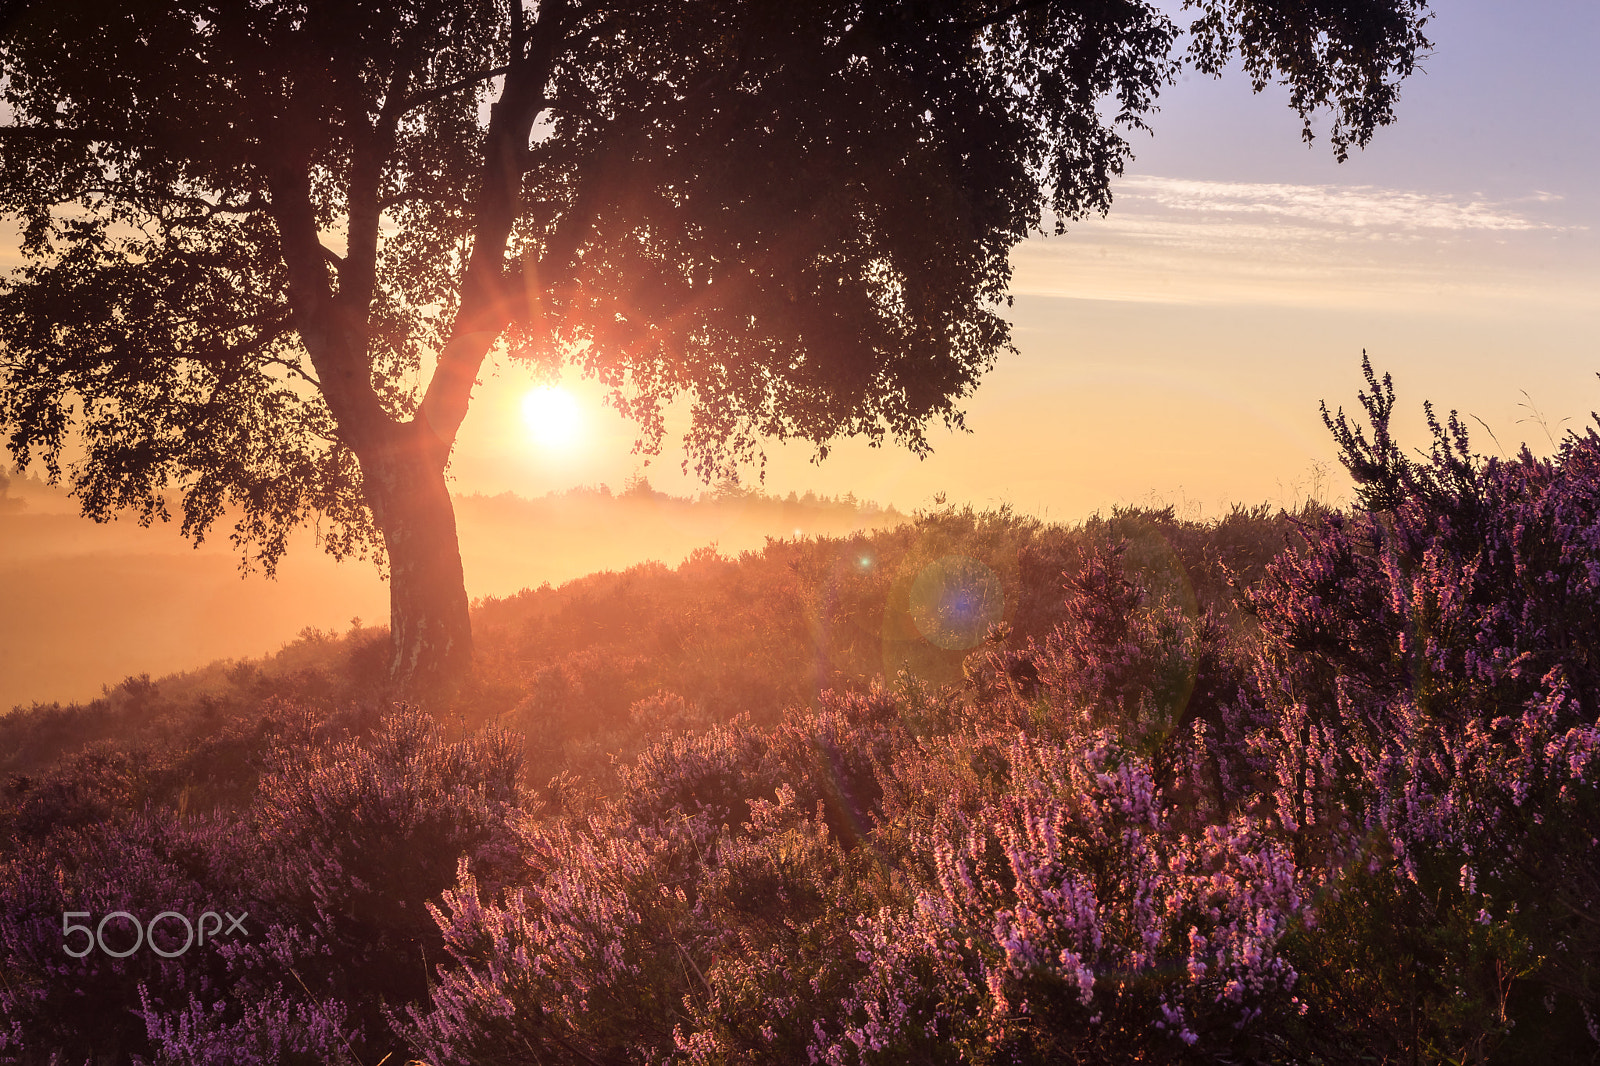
<point>1183,241</point>
<point>1351,206</point>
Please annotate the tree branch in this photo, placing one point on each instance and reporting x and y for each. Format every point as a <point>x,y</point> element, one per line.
<point>371,150</point>
<point>295,368</point>
<point>558,260</point>
<point>484,310</point>
<point>439,92</point>
<point>337,346</point>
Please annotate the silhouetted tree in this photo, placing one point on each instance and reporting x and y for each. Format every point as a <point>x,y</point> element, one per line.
<point>269,244</point>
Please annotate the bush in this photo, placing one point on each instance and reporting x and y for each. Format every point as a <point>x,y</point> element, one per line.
<point>1431,671</point>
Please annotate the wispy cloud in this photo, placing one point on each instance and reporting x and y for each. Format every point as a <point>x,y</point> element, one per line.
<point>1180,240</point>
<point>1359,206</point>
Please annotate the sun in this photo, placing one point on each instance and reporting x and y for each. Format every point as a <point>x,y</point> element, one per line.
<point>553,418</point>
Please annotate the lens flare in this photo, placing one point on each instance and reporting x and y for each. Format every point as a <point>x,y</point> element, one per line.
<point>955,600</point>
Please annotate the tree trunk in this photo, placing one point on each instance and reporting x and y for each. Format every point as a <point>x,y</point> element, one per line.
<point>430,632</point>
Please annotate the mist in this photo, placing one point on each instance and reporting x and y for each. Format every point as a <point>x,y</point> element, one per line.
<point>84,605</point>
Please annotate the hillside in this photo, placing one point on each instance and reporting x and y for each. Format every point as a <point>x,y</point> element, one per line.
<point>720,634</point>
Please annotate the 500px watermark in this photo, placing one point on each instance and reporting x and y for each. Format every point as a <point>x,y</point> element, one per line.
<point>96,937</point>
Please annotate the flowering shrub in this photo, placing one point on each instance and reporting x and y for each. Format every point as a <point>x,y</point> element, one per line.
<point>350,841</point>
<point>1069,920</point>
<point>900,876</point>
<point>141,865</point>
<point>636,928</point>
<point>568,966</point>
<point>273,1026</point>
<point>1430,666</point>
<point>1168,681</point>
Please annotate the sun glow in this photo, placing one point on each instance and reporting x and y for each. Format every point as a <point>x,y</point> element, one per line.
<point>553,418</point>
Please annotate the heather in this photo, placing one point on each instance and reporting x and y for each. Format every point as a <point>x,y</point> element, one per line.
<point>1310,788</point>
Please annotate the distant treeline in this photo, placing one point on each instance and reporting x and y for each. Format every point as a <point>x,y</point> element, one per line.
<point>638,487</point>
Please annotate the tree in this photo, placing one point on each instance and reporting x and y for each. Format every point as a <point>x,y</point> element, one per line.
<point>249,226</point>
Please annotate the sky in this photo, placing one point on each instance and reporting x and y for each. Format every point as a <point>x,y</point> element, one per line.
<point>1176,351</point>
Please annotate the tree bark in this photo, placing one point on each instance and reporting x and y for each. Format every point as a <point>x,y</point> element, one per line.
<point>402,464</point>
<point>430,631</point>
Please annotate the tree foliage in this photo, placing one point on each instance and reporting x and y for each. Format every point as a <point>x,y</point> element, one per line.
<point>250,226</point>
